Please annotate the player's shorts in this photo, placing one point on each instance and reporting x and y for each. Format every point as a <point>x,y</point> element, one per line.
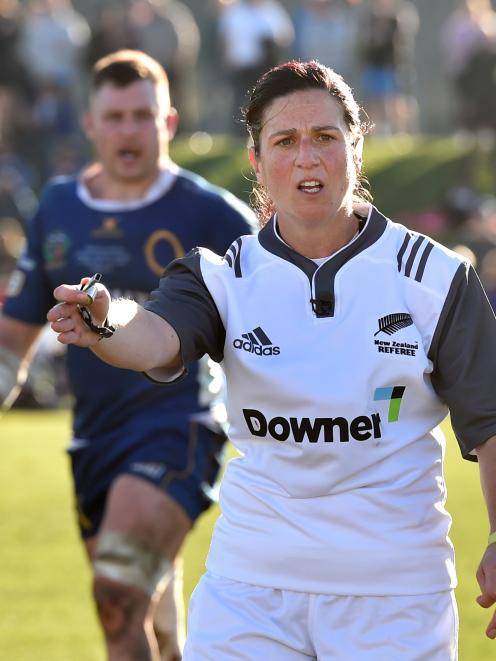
<point>379,82</point>
<point>231,620</point>
<point>183,461</point>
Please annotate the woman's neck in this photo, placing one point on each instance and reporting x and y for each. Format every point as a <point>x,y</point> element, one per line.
<point>319,240</point>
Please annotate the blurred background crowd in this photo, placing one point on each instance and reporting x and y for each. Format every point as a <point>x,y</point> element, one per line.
<point>418,67</point>
<point>415,65</point>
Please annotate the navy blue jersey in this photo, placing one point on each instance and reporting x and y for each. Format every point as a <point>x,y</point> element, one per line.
<point>130,243</point>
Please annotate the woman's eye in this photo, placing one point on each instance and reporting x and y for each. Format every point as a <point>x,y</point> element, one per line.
<point>325,137</point>
<point>284,142</point>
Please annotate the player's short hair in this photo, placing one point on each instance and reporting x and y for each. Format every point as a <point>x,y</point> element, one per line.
<point>296,76</point>
<point>126,66</point>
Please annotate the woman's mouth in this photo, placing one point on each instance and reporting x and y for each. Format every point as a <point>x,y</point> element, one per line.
<point>310,186</point>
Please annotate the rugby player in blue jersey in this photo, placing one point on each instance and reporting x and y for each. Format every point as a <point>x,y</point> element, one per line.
<point>345,339</point>
<point>143,457</point>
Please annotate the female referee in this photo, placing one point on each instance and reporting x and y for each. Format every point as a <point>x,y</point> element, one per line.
<point>345,339</point>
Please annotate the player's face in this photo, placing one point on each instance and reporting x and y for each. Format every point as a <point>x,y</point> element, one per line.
<point>130,128</point>
<point>306,158</point>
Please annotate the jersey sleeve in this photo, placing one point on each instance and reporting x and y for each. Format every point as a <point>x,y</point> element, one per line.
<point>183,299</point>
<point>29,294</point>
<point>463,351</point>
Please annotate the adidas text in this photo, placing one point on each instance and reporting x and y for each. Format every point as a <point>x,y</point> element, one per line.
<point>258,350</point>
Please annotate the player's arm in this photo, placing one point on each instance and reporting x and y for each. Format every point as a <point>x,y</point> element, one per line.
<point>17,341</point>
<point>464,376</point>
<point>486,573</point>
<point>143,341</point>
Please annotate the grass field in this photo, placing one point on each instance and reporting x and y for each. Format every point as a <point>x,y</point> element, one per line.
<point>45,608</point>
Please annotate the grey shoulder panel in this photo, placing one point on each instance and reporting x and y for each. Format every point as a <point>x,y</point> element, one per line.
<point>183,299</point>
<point>463,352</point>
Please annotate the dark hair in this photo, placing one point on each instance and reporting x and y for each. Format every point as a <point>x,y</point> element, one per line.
<point>124,67</point>
<point>295,76</point>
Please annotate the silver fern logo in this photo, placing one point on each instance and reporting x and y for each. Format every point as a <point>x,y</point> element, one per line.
<point>389,325</point>
<point>392,323</point>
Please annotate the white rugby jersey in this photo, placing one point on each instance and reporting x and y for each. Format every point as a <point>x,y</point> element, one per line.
<point>338,376</point>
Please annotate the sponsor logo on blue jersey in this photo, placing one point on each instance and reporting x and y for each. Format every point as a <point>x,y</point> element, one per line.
<point>15,283</point>
<point>55,250</point>
<point>109,229</point>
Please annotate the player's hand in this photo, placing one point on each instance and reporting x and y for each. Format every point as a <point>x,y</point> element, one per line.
<point>486,577</point>
<point>66,318</point>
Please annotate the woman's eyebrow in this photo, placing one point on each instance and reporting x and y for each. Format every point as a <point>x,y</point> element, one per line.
<point>281,132</point>
<point>325,127</point>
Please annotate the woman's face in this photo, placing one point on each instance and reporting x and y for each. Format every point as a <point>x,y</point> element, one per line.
<point>306,159</point>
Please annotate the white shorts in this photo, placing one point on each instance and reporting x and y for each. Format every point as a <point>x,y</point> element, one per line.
<point>233,621</point>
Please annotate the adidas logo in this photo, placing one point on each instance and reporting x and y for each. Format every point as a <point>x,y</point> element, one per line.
<point>257,342</point>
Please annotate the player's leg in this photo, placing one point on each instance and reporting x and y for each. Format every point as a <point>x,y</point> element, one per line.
<point>410,628</point>
<point>169,621</point>
<point>182,468</point>
<point>232,620</point>
<point>141,532</point>
<point>192,487</point>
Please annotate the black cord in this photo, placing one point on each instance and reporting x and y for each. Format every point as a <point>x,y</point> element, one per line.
<point>104,331</point>
<point>90,288</point>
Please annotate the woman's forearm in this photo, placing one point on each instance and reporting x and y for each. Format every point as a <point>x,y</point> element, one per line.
<point>486,454</point>
<point>142,340</point>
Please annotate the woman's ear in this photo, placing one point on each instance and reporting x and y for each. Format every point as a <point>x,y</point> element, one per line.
<point>255,163</point>
<point>358,153</point>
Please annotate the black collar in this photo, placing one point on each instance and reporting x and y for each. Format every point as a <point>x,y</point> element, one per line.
<point>371,230</point>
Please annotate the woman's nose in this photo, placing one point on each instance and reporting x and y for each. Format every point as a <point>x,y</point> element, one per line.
<point>307,154</point>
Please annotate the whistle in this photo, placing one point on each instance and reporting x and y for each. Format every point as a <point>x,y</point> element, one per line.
<point>90,287</point>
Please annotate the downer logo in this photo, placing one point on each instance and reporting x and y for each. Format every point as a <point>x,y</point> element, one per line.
<point>257,342</point>
<point>360,429</point>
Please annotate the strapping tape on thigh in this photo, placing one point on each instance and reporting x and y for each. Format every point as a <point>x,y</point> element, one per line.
<point>121,558</point>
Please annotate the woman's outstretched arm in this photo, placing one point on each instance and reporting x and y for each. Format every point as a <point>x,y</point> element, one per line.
<point>142,340</point>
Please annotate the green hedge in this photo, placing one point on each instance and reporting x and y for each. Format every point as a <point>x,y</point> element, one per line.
<point>407,175</point>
